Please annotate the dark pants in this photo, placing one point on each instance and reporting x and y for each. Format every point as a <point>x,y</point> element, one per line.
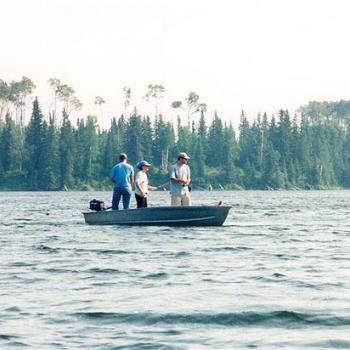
<point>117,194</point>
<point>141,201</point>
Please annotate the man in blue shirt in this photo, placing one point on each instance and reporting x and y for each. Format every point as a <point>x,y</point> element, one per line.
<point>122,175</point>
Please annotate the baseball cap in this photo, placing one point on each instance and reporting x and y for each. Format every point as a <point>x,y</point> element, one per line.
<point>142,163</point>
<point>123,156</point>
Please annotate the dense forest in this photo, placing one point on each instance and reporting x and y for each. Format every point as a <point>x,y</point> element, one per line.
<point>310,150</point>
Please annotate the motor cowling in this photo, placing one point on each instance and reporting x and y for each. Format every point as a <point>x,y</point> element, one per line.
<point>97,205</point>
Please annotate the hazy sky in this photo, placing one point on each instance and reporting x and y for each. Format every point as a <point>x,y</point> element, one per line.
<point>239,54</point>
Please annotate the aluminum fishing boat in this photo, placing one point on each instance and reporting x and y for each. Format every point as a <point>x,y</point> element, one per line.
<point>161,216</point>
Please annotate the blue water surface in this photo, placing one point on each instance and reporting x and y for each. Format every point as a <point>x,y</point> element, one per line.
<point>276,275</point>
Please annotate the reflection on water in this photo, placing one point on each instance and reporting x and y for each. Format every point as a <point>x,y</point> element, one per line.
<point>275,275</point>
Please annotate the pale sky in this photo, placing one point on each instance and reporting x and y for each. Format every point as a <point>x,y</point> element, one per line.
<point>256,55</point>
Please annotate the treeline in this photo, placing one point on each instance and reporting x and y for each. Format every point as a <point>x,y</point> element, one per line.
<point>311,150</point>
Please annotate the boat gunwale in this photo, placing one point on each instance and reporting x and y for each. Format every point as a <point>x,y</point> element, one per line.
<point>162,207</point>
<point>170,221</point>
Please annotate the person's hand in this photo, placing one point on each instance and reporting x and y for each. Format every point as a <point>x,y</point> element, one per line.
<point>142,194</point>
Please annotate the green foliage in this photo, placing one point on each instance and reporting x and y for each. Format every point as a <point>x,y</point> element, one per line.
<point>50,178</point>
<point>67,153</point>
<point>309,151</point>
<point>134,145</point>
<point>11,146</point>
<point>34,150</point>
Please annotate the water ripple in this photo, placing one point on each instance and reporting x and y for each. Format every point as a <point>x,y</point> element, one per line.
<point>282,318</point>
<point>276,275</point>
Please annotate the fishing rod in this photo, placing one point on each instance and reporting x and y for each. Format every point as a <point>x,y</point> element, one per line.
<point>163,185</point>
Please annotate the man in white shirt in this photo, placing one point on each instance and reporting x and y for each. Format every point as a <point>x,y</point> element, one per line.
<point>180,178</point>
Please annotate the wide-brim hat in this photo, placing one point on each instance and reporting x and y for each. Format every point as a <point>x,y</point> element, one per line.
<point>183,155</point>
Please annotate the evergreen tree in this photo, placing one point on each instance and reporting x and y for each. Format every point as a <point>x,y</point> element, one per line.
<point>66,153</point>
<point>48,180</point>
<point>184,140</point>
<point>230,152</point>
<point>112,148</point>
<point>272,175</point>
<point>89,150</point>
<point>198,161</point>
<point>11,146</point>
<point>33,147</point>
<point>133,146</point>
<point>244,141</point>
<point>215,142</point>
<point>147,139</point>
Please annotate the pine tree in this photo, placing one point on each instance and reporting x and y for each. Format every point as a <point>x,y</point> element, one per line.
<point>147,139</point>
<point>272,175</point>
<point>48,179</point>
<point>244,141</point>
<point>184,138</point>
<point>66,153</point>
<point>133,146</point>
<point>112,148</point>
<point>230,152</point>
<point>198,161</point>
<point>90,149</point>
<point>11,146</point>
<point>33,147</point>
<point>215,142</point>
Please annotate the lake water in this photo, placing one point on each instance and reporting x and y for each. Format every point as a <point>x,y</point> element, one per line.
<point>276,275</point>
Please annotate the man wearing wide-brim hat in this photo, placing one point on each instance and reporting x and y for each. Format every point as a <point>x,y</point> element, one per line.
<point>180,178</point>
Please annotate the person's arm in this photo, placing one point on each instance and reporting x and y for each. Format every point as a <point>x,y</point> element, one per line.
<point>176,180</point>
<point>132,176</point>
<point>138,185</point>
<point>152,188</point>
<point>173,177</point>
<point>111,175</point>
<point>188,181</point>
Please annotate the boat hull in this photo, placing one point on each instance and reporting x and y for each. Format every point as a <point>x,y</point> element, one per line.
<point>161,216</point>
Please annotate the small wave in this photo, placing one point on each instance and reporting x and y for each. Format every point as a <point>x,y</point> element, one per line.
<point>103,270</point>
<point>182,254</point>
<point>229,249</point>
<point>22,264</point>
<point>167,229</point>
<point>17,344</point>
<point>7,336</point>
<point>13,309</point>
<point>287,257</point>
<point>282,318</point>
<point>159,275</point>
<point>103,251</point>
<point>60,270</point>
<point>278,275</point>
<point>114,251</point>
<point>332,344</point>
<point>47,249</point>
<point>147,346</point>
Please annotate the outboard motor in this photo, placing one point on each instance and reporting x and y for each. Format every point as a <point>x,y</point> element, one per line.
<point>97,205</point>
